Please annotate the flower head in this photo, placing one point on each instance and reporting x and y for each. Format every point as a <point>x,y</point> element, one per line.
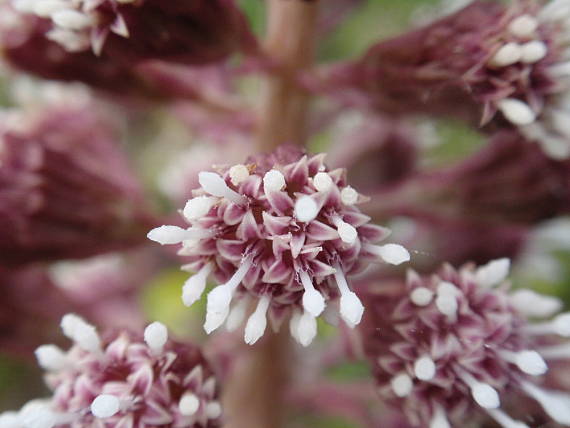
<point>511,60</point>
<point>121,379</point>
<point>459,341</point>
<point>189,31</point>
<point>65,188</point>
<point>283,230</point>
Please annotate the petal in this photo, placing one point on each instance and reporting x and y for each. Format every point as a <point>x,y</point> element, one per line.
<point>248,229</point>
<point>276,225</point>
<point>299,173</point>
<point>278,273</point>
<point>231,250</point>
<point>233,213</point>
<point>296,244</point>
<point>280,202</point>
<point>319,231</point>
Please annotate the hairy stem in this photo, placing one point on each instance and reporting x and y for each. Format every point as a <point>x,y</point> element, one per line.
<point>290,45</point>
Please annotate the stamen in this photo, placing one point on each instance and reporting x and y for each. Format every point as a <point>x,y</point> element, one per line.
<point>493,273</point>
<point>82,333</point>
<point>529,362</point>
<point>219,299</point>
<point>51,357</point>
<point>484,394</point>
<point>560,70</point>
<point>446,303</point>
<point>237,314</point>
<point>306,209</point>
<point>351,308</point>
<point>38,414</point>
<point>322,182</point>
<point>508,54</point>
<point>215,185</point>
<point>105,406</point>
<point>535,305</point>
<point>10,420</point>
<point>70,19</point>
<point>555,10</point>
<point>313,301</point>
<point>556,352</point>
<point>349,196</point>
<point>516,111</point>
<point>402,385</point>
<point>393,254</point>
<point>346,231</point>
<point>46,8</point>
<point>559,325</point>
<point>213,410</point>
<point>523,26</point>
<point>189,404</point>
<point>533,51</point>
<point>168,235</point>
<point>196,284</point>
<point>421,296</point>
<point>273,181</point>
<point>238,174</point>
<point>294,324</point>
<point>257,322</point>
<point>556,404</point>
<point>306,329</point>
<point>505,420</point>
<point>439,419</point>
<point>156,336</point>
<point>424,368</point>
<point>198,207</point>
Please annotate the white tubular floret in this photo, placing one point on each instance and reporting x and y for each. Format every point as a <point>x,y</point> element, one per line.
<point>195,285</point>
<point>393,254</point>
<point>215,185</point>
<point>313,301</point>
<point>257,322</point>
<point>156,336</point>
<point>351,308</point>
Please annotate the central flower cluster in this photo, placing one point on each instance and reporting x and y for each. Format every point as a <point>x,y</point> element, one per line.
<point>458,340</point>
<point>282,229</point>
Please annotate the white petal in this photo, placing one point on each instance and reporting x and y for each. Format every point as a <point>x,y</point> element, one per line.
<point>493,273</point>
<point>167,235</point>
<point>105,406</point>
<point>516,111</point>
<point>156,336</point>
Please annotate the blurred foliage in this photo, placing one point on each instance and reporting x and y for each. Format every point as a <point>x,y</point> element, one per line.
<point>162,301</point>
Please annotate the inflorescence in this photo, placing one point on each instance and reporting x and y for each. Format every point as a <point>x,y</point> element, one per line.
<point>460,340</point>
<point>281,229</point>
<point>121,380</point>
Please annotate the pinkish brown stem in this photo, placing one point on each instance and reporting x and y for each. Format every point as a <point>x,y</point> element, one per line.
<point>290,45</point>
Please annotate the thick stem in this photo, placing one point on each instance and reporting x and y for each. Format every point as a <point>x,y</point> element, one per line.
<point>290,45</point>
<point>255,390</point>
<point>254,395</point>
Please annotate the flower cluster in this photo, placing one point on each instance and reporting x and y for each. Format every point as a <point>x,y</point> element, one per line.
<point>65,188</point>
<point>458,341</point>
<point>119,380</point>
<point>281,229</point>
<point>191,31</point>
<point>509,59</point>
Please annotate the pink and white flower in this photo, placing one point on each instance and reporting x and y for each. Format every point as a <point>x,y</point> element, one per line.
<point>280,229</point>
<point>121,379</point>
<point>457,343</point>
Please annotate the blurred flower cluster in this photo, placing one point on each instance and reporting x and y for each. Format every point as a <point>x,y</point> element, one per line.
<point>286,213</point>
